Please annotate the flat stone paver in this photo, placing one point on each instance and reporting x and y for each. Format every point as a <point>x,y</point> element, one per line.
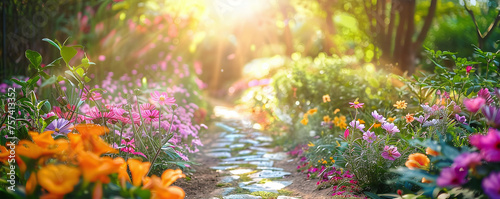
<point>255,163</point>
<point>241,196</point>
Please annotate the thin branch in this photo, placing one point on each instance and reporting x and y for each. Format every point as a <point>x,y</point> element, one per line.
<point>492,25</point>
<point>427,24</point>
<point>478,31</point>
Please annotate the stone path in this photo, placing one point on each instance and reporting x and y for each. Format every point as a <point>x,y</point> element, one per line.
<point>246,164</point>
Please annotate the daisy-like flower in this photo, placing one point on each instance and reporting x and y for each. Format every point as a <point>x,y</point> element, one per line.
<point>60,126</point>
<point>147,106</point>
<point>378,117</point>
<point>150,115</point>
<point>422,119</point>
<point>97,116</point>
<point>390,128</point>
<point>409,118</point>
<point>162,98</point>
<point>356,104</point>
<point>400,104</point>
<point>460,119</point>
<point>369,136</point>
<point>326,98</point>
<point>357,125</point>
<point>391,153</point>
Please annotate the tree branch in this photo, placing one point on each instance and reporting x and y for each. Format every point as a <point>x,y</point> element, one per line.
<point>427,24</point>
<point>478,31</point>
<point>492,25</point>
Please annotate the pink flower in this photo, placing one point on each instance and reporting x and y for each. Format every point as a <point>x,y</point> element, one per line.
<point>147,106</point>
<point>369,136</point>
<point>474,104</point>
<point>378,117</point>
<point>488,144</point>
<point>492,115</point>
<point>162,98</point>
<point>97,116</point>
<point>485,94</point>
<point>356,104</point>
<point>390,153</point>
<point>390,128</point>
<point>357,125</point>
<point>468,160</point>
<point>491,185</point>
<point>468,69</point>
<point>150,115</point>
<point>346,133</point>
<point>452,177</point>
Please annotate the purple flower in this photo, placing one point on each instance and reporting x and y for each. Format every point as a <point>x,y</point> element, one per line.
<point>452,177</point>
<point>497,93</point>
<point>390,127</point>
<point>492,115</point>
<point>426,108</point>
<point>485,94</point>
<point>474,104</point>
<point>369,136</point>
<point>488,144</point>
<point>60,126</point>
<point>378,117</point>
<point>460,119</point>
<point>422,119</point>
<point>468,160</point>
<point>390,153</point>
<point>491,185</point>
<point>433,122</point>
<point>356,124</point>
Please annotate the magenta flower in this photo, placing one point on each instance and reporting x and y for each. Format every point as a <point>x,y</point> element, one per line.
<point>46,116</point>
<point>460,119</point>
<point>346,133</point>
<point>390,128</point>
<point>60,126</point>
<point>150,115</point>
<point>474,104</point>
<point>369,136</point>
<point>391,153</point>
<point>468,69</point>
<point>452,177</point>
<point>491,185</point>
<point>147,106</point>
<point>488,144</point>
<point>162,98</point>
<point>378,117</point>
<point>485,94</point>
<point>468,160</point>
<point>492,115</point>
<point>97,116</point>
<point>356,104</point>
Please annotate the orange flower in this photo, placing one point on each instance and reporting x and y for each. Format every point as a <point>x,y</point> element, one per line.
<point>391,119</point>
<point>429,151</point>
<point>31,184</point>
<point>426,181</point>
<point>138,169</point>
<point>418,161</point>
<point>44,145</point>
<point>336,111</point>
<point>326,98</point>
<point>327,119</point>
<point>409,118</point>
<point>377,125</point>
<point>304,121</point>
<point>312,111</point>
<point>122,171</point>
<point>361,121</point>
<point>4,154</point>
<point>96,168</point>
<point>89,130</point>
<point>160,188</point>
<point>89,142</point>
<point>58,179</point>
<point>400,104</point>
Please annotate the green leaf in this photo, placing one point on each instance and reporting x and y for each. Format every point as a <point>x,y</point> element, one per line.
<point>142,193</point>
<point>34,57</point>
<point>80,71</point>
<point>51,42</point>
<point>49,81</point>
<point>19,82</point>
<point>372,195</point>
<point>87,79</point>
<point>67,54</point>
<point>97,89</point>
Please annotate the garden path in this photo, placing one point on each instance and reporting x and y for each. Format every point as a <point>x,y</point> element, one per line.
<point>246,163</point>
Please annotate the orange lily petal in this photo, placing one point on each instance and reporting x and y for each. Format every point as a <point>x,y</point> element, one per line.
<point>138,169</point>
